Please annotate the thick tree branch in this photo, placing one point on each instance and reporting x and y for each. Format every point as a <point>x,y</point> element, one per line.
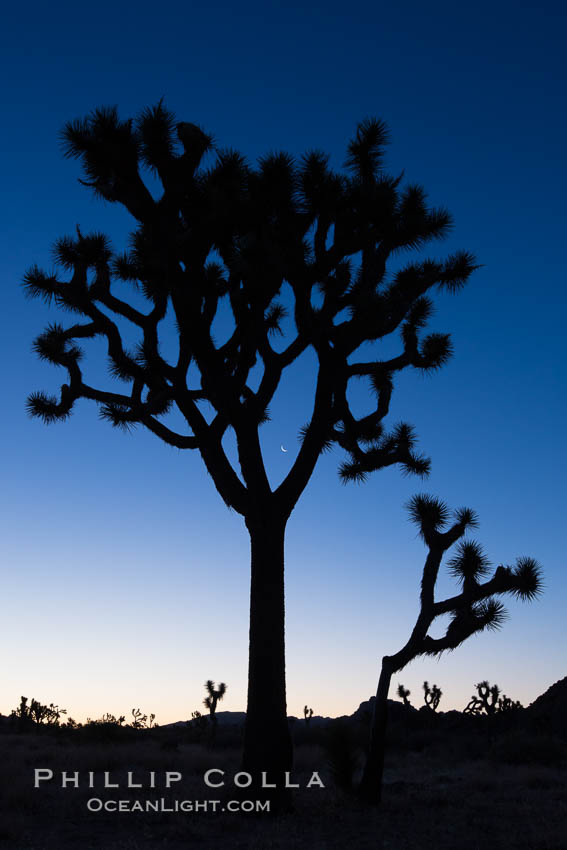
<point>315,439</point>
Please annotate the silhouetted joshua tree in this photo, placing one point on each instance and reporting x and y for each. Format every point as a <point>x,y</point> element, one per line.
<point>140,721</point>
<point>507,704</point>
<point>35,713</point>
<point>308,714</point>
<point>214,695</point>
<point>432,696</point>
<point>472,610</point>
<point>258,266</point>
<point>403,694</point>
<point>117,721</point>
<point>489,700</point>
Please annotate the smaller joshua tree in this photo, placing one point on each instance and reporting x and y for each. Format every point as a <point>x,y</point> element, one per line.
<point>432,696</point>
<point>214,695</point>
<point>403,694</point>
<point>472,610</point>
<point>35,713</point>
<point>140,721</point>
<point>490,700</point>
<point>307,713</point>
<point>111,719</point>
<point>507,704</point>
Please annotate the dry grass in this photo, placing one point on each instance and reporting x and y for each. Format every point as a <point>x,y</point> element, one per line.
<point>431,799</point>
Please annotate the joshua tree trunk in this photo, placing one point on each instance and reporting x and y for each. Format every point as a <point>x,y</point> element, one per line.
<point>371,784</point>
<point>267,740</point>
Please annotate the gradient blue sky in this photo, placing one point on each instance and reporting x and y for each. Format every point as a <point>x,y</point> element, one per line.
<point>125,579</point>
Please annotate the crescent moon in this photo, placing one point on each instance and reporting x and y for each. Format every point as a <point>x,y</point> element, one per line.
<point>283,450</point>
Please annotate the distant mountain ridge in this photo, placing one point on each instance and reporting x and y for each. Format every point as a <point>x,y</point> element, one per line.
<point>551,705</point>
<point>549,708</point>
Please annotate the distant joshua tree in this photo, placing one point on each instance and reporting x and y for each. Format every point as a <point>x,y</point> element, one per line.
<point>117,721</point>
<point>140,721</point>
<point>36,714</point>
<point>472,610</point>
<point>214,695</point>
<point>432,696</point>
<point>403,694</point>
<point>308,714</point>
<point>294,259</point>
<point>490,700</point>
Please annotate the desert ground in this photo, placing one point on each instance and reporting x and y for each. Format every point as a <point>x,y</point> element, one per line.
<point>451,783</point>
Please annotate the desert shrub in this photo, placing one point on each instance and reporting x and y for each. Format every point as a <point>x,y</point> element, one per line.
<point>231,735</point>
<point>343,753</point>
<point>105,732</point>
<point>521,747</point>
<point>306,733</point>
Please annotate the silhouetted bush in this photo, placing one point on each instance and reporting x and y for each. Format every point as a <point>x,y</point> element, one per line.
<point>105,732</point>
<point>343,753</point>
<point>522,747</point>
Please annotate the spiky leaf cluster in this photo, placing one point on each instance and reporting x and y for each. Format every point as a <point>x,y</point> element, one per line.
<point>469,563</point>
<point>526,579</point>
<point>429,513</point>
